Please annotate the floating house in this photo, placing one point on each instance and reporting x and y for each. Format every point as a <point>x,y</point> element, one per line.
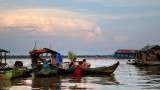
<point>149,53</point>
<point>125,53</point>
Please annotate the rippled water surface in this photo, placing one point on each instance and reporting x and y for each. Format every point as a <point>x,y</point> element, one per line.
<point>126,77</point>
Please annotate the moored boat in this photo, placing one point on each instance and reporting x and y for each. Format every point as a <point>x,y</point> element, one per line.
<point>12,72</point>
<point>132,62</point>
<point>148,63</point>
<point>45,65</point>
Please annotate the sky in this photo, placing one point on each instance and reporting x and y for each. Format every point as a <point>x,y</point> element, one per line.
<point>86,27</point>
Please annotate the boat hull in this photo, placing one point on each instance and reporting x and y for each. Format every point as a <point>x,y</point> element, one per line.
<point>131,62</point>
<point>150,63</point>
<point>10,74</point>
<point>98,70</point>
<point>50,70</point>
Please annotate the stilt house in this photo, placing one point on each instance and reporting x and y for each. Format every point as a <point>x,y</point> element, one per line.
<point>150,53</point>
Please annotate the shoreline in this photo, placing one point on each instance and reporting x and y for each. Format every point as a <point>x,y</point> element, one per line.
<point>90,58</point>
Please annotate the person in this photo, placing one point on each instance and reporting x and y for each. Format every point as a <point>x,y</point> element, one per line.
<point>84,64</point>
<point>73,64</point>
<point>62,64</point>
<point>53,59</point>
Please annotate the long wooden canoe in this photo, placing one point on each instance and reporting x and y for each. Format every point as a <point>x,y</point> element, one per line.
<point>98,70</point>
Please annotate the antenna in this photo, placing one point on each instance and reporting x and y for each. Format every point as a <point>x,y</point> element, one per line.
<point>50,46</point>
<point>35,44</point>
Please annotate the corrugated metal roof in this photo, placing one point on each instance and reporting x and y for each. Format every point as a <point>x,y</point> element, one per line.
<point>126,51</point>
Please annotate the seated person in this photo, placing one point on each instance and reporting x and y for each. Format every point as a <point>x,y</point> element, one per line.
<point>62,65</point>
<point>84,64</point>
<point>73,64</point>
<point>53,59</point>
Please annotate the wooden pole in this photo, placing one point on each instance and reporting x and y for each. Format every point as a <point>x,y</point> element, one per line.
<point>1,57</point>
<point>5,58</point>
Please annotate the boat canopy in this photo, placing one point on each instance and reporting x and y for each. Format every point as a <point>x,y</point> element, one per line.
<point>46,50</point>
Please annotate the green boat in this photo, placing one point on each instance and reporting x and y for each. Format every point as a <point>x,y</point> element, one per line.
<point>10,74</point>
<point>98,70</point>
<point>13,72</point>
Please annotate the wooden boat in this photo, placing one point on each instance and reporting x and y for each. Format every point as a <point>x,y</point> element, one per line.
<point>132,62</point>
<point>98,70</point>
<point>42,66</point>
<point>46,70</point>
<point>13,72</point>
<point>148,63</point>
<point>10,73</point>
<point>45,65</point>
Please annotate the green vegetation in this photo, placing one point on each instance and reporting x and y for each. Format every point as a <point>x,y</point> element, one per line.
<point>18,56</point>
<point>71,55</point>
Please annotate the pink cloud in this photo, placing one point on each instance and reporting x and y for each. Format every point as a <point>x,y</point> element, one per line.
<point>121,39</point>
<point>52,22</point>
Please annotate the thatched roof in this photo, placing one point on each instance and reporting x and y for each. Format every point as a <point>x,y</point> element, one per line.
<point>148,47</point>
<point>2,50</point>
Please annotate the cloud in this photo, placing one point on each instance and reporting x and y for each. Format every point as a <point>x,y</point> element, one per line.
<point>51,22</point>
<point>121,39</point>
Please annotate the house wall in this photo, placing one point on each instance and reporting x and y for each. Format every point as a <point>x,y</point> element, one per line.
<point>133,55</point>
<point>119,55</point>
<point>125,55</point>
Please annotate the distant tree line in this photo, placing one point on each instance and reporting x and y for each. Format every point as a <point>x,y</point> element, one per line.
<point>17,56</point>
<point>63,56</point>
<point>88,56</point>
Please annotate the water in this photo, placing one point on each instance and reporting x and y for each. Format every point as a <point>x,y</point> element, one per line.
<point>125,77</point>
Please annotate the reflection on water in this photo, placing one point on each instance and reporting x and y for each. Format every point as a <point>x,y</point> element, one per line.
<point>151,76</point>
<point>125,77</point>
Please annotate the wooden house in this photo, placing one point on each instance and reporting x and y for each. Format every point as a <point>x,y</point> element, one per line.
<point>126,53</point>
<point>150,53</point>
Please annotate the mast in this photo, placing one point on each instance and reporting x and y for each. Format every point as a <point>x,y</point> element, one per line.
<point>35,44</point>
<point>47,53</point>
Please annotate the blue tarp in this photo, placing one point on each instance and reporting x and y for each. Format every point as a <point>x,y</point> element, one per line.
<point>58,55</point>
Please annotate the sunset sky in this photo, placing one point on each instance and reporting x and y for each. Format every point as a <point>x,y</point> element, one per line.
<point>86,27</point>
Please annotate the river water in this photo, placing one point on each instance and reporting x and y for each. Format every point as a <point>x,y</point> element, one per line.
<point>126,77</point>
